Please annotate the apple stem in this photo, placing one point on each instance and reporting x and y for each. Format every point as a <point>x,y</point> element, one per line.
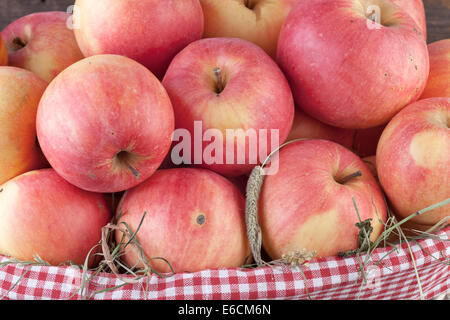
<point>350,177</point>
<point>218,73</point>
<point>133,170</point>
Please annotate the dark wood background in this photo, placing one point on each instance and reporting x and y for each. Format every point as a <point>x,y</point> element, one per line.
<point>438,13</point>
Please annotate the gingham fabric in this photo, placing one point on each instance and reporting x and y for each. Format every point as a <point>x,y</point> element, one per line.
<point>330,278</point>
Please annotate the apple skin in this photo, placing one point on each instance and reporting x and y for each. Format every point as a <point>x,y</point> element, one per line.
<point>416,10</point>
<point>365,141</point>
<point>101,120</point>
<point>260,25</point>
<point>306,127</point>
<point>256,94</point>
<point>50,46</point>
<point>304,207</point>
<point>413,160</point>
<point>339,69</point>
<point>174,200</point>
<point>151,32</point>
<point>42,214</point>
<point>20,93</point>
<point>3,53</point>
<point>439,79</point>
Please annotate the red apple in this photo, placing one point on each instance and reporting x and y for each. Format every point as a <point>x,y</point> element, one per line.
<point>229,85</point>
<point>20,93</point>
<point>258,21</point>
<point>309,205</point>
<point>439,79</point>
<point>105,123</point>
<point>194,218</point>
<point>416,10</point>
<point>348,71</point>
<point>42,43</point>
<point>42,214</point>
<point>365,141</point>
<point>307,127</point>
<point>3,53</point>
<point>151,32</point>
<point>413,159</point>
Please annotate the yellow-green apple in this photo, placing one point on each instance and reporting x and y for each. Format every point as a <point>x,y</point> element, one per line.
<point>439,80</point>
<point>307,127</point>
<point>105,123</point>
<point>413,160</point>
<point>194,218</point>
<point>258,21</point>
<point>232,94</point>
<point>20,93</point>
<point>416,10</point>
<point>3,53</point>
<point>151,32</point>
<point>310,202</point>
<point>42,43</point>
<point>365,141</point>
<point>43,215</point>
<point>347,70</point>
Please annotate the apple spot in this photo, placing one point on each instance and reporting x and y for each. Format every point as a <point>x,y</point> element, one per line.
<point>201,219</point>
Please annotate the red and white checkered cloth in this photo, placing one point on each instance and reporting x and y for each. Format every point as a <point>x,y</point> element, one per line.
<point>330,278</point>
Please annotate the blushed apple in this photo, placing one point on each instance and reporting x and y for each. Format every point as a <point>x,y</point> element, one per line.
<point>258,21</point>
<point>105,123</point>
<point>43,215</point>
<point>307,127</point>
<point>20,93</point>
<point>309,204</point>
<point>413,160</point>
<point>194,218</point>
<point>439,80</point>
<point>347,70</point>
<point>3,53</point>
<point>42,43</point>
<point>416,10</point>
<point>151,32</point>
<point>233,89</point>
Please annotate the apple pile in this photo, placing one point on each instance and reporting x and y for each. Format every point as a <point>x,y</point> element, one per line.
<point>357,104</point>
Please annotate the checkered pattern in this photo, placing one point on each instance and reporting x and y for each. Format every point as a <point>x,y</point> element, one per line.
<point>330,278</point>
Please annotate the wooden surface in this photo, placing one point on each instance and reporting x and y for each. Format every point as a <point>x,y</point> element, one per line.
<point>438,13</point>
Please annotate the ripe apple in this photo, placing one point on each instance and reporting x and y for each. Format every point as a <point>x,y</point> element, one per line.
<point>258,21</point>
<point>307,127</point>
<point>194,218</point>
<point>3,52</point>
<point>151,32</point>
<point>348,71</point>
<point>42,43</point>
<point>365,141</point>
<point>230,85</point>
<point>413,159</point>
<point>439,79</point>
<point>105,123</point>
<point>309,205</point>
<point>20,92</point>
<point>416,10</point>
<point>42,214</point>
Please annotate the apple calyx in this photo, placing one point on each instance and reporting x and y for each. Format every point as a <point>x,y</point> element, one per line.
<point>250,4</point>
<point>17,44</point>
<point>350,177</point>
